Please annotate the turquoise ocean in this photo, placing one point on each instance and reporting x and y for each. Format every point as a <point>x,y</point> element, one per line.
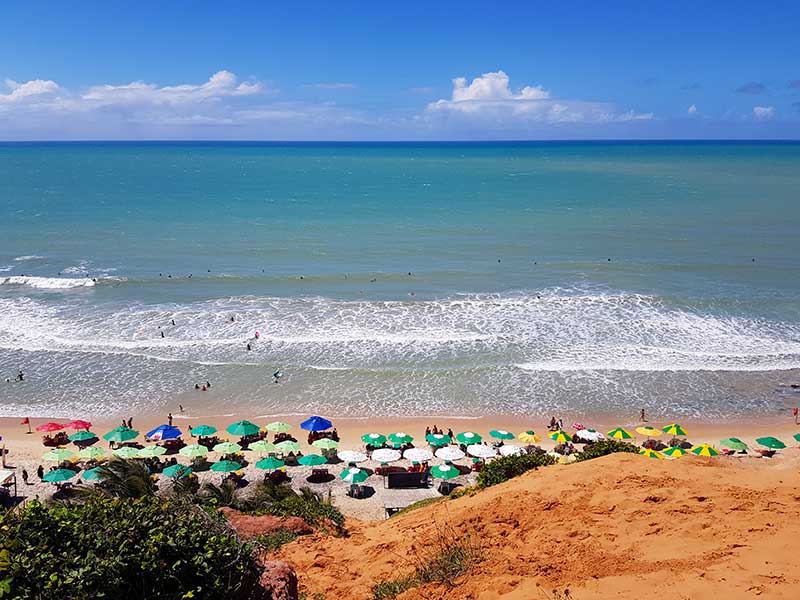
<point>400,279</point>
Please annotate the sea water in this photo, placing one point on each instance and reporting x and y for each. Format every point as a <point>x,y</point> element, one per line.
<point>400,279</point>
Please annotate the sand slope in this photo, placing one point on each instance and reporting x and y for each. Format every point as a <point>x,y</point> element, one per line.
<point>619,526</point>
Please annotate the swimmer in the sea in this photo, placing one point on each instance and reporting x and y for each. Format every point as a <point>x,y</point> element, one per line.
<point>276,376</point>
<point>249,347</point>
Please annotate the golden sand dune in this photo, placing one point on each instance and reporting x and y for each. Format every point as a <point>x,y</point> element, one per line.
<point>614,527</point>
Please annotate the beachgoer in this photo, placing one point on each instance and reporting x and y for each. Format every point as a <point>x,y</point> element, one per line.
<point>257,335</point>
<point>172,321</point>
<point>20,376</point>
<point>130,422</point>
<point>276,376</point>
<point>180,407</point>
<point>561,423</point>
<point>40,471</point>
<point>642,416</point>
<point>233,319</point>
<point>450,434</point>
<point>124,423</point>
<point>197,386</point>
<point>25,476</point>
<point>204,388</point>
<point>794,412</point>
<point>169,419</point>
<point>208,384</point>
<point>428,430</point>
<point>162,334</point>
<point>248,347</point>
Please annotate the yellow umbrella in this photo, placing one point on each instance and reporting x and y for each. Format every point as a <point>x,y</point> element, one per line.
<point>529,437</point>
<point>649,431</point>
<point>674,451</point>
<point>651,453</point>
<point>620,434</point>
<point>674,429</point>
<point>560,437</point>
<point>704,450</point>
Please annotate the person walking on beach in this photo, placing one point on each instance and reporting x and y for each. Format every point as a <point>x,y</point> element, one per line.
<point>25,477</point>
<point>169,419</point>
<point>642,417</point>
<point>130,422</point>
<point>794,412</point>
<point>180,407</point>
<point>40,472</point>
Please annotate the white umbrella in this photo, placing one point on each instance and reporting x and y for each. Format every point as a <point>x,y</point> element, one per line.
<point>450,453</point>
<point>510,450</point>
<point>481,451</point>
<point>385,455</point>
<point>349,456</point>
<point>418,454</point>
<point>590,435</point>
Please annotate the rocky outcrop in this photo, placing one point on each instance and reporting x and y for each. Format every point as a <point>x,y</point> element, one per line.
<point>249,527</point>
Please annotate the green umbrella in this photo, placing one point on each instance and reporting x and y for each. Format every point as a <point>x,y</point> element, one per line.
<point>262,446</point>
<point>126,452</point>
<point>58,454</point>
<point>771,442</point>
<point>312,460</point>
<point>269,464</point>
<point>354,475</point>
<point>120,434</point>
<point>193,450</point>
<point>178,470</point>
<point>326,444</point>
<point>445,472</point>
<point>674,451</point>
<point>288,446</point>
<point>374,439</point>
<point>227,448</point>
<point>203,430</point>
<point>82,436</point>
<point>226,466</point>
<point>152,451</point>
<point>674,429</point>
<point>242,428</point>
<point>279,427</point>
<point>501,434</point>
<point>92,474</point>
<point>733,443</point>
<point>468,437</point>
<point>620,434</point>
<point>59,475</point>
<point>91,452</point>
<point>796,436</point>
<point>437,439</point>
<point>400,438</point>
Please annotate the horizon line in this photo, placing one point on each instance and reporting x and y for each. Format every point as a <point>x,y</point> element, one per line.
<point>410,141</point>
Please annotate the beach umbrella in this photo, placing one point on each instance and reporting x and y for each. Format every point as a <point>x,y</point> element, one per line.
<point>193,450</point>
<point>91,452</point>
<point>49,427</point>
<point>374,439</point>
<point>385,455</point>
<point>481,451</point>
<point>509,450</point>
<point>278,427</point>
<point>733,443</point>
<point>704,450</point>
<point>312,460</point>
<point>450,453</point>
<point>674,451</point>
<point>78,424</point>
<point>203,430</point>
<point>316,423</point>
<point>437,439</point>
<point>351,456</point>
<point>651,453</point>
<point>589,435</point>
<point>152,451</point>
<point>771,442</point>
<point>262,446</point>
<point>288,446</point>
<point>164,432</point>
<point>501,434</point>
<point>58,454</point>
<point>469,437</point>
<point>649,431</point>
<point>354,475</point>
<point>82,436</point>
<point>401,437</point>
<point>529,437</point>
<point>242,428</point>
<point>620,434</point>
<point>59,475</point>
<point>92,474</point>
<point>120,434</point>
<point>325,444</point>
<point>796,436</point>
<point>445,472</point>
<point>418,454</point>
<point>178,471</point>
<point>226,466</point>
<point>560,437</point>
<point>674,429</point>
<point>126,452</point>
<point>227,448</point>
<point>269,464</point>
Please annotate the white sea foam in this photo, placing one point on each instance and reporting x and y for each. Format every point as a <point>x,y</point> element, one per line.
<point>28,257</point>
<point>52,283</point>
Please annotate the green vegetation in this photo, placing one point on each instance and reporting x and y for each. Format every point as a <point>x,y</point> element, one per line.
<point>131,548</point>
<point>275,540</point>
<point>599,449</point>
<point>506,467</point>
<point>420,504</point>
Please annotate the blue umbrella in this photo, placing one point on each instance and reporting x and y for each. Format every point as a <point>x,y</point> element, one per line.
<point>316,424</point>
<point>164,432</point>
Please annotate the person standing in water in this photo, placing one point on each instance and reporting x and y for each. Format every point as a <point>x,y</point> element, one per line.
<point>276,376</point>
<point>642,417</point>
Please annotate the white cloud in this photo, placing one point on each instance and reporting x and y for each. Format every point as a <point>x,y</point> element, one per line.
<point>332,86</point>
<point>34,89</point>
<point>763,113</point>
<point>490,97</point>
<point>692,110</point>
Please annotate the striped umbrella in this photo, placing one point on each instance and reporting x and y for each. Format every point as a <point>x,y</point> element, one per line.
<point>620,434</point>
<point>469,437</point>
<point>674,451</point>
<point>560,436</point>
<point>674,429</point>
<point>269,464</point>
<point>445,472</point>
<point>58,455</point>
<point>771,442</point>
<point>354,475</point>
<point>501,434</point>
<point>373,439</point>
<point>91,452</point>
<point>704,450</point>
<point>529,437</point>
<point>651,453</point>
<point>193,450</point>
<point>263,446</point>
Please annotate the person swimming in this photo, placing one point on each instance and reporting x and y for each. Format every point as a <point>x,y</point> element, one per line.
<point>277,375</point>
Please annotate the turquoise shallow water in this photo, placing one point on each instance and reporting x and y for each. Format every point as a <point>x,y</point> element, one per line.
<point>457,279</point>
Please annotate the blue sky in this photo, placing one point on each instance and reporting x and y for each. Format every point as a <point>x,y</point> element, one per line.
<point>413,71</point>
